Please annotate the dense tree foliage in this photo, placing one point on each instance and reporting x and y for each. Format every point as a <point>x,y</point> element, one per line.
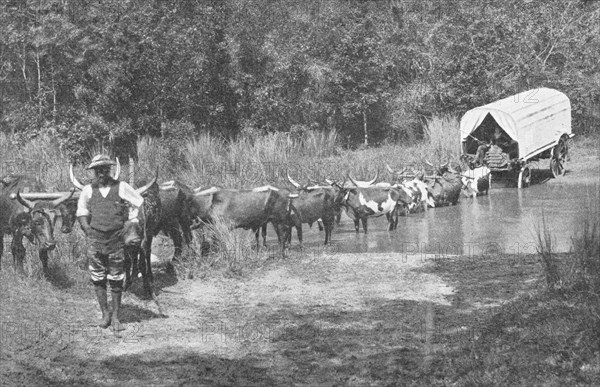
<point>108,70</point>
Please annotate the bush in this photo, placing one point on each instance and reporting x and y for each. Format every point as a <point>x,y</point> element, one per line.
<point>91,135</point>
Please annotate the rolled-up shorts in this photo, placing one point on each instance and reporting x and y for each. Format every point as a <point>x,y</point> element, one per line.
<point>106,259</point>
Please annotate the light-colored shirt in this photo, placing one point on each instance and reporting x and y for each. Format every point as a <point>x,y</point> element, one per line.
<point>126,192</point>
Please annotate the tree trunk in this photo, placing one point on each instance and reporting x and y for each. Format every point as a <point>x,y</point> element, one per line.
<point>54,112</point>
<point>364,114</point>
<point>39,73</point>
<point>131,172</point>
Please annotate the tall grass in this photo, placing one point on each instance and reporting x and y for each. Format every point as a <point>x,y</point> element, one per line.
<point>229,247</point>
<point>586,244</point>
<point>205,160</point>
<point>583,270</point>
<point>545,249</point>
<point>443,136</point>
<point>40,157</point>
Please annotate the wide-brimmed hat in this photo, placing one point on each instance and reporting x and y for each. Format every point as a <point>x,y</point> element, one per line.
<point>100,161</point>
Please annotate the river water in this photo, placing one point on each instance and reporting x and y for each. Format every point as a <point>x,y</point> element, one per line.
<point>503,222</point>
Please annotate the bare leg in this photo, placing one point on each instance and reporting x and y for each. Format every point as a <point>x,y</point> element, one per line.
<point>100,289</point>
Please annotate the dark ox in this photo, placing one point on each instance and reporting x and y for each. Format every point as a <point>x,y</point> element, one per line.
<point>138,236</point>
<point>444,186</point>
<point>177,214</point>
<point>249,209</point>
<point>36,222</point>
<point>314,204</point>
<point>364,202</point>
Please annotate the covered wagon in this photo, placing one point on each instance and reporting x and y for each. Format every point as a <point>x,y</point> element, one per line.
<point>509,134</point>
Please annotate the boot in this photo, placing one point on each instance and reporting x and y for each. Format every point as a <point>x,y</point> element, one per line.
<point>100,289</point>
<point>116,306</point>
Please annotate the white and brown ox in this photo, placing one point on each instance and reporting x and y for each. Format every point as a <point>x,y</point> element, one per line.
<point>364,202</point>
<point>345,185</point>
<point>414,187</point>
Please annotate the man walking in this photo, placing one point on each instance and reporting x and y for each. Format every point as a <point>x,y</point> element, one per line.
<point>102,210</point>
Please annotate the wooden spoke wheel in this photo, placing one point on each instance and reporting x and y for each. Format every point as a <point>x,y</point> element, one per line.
<point>557,168</point>
<point>559,158</point>
<point>524,177</point>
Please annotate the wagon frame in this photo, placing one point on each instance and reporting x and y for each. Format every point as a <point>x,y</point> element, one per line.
<point>537,125</point>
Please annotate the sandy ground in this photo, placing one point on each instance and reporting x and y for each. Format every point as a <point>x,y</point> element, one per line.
<point>237,318</point>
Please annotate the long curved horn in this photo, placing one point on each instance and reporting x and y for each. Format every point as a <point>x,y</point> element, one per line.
<point>64,198</point>
<point>208,191</point>
<point>330,182</point>
<point>352,180</point>
<point>445,164</point>
<point>143,189</point>
<point>294,183</point>
<point>74,180</point>
<point>371,182</point>
<point>117,169</point>
<point>390,170</point>
<point>418,175</point>
<point>428,163</point>
<point>25,202</point>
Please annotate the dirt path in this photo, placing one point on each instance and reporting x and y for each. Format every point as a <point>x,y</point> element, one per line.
<point>245,327</point>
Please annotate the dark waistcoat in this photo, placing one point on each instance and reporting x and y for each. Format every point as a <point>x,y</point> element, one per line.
<point>109,213</point>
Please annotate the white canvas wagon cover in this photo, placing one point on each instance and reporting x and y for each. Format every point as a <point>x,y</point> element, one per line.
<point>535,119</point>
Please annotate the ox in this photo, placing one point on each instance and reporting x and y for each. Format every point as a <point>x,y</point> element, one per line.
<point>444,186</point>
<point>352,184</point>
<point>177,213</point>
<point>36,223</point>
<point>364,202</point>
<point>250,209</point>
<point>317,204</point>
<point>415,188</point>
<point>476,181</point>
<point>138,237</point>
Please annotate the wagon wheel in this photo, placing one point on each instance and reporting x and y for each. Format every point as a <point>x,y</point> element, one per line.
<point>558,168</point>
<point>524,177</point>
<point>559,158</point>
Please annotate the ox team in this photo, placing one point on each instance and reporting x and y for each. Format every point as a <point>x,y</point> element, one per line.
<point>107,211</point>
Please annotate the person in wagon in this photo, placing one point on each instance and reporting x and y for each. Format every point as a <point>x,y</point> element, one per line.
<point>102,209</point>
<point>499,143</point>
